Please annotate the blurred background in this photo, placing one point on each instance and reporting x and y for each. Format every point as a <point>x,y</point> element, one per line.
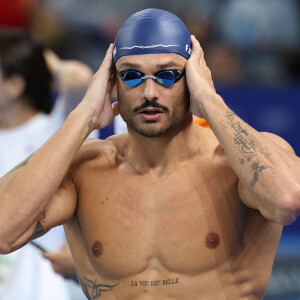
<point>251,46</point>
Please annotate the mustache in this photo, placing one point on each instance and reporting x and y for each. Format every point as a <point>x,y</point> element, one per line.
<point>151,103</point>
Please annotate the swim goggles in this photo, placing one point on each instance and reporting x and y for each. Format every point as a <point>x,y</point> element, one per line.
<point>165,77</point>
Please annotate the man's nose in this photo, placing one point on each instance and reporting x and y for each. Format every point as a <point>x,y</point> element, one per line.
<point>151,89</point>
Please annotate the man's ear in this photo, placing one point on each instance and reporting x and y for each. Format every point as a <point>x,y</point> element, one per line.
<point>114,92</point>
<point>15,86</point>
<point>113,84</point>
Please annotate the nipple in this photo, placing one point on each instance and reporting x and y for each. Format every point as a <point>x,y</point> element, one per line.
<point>212,240</point>
<point>97,249</point>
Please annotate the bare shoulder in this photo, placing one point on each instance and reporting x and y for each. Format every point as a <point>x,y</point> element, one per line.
<point>212,148</point>
<point>102,152</point>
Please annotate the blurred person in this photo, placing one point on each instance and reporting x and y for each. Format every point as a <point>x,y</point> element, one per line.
<point>83,25</point>
<point>258,24</point>
<point>29,74</point>
<point>262,30</point>
<point>199,25</point>
<point>224,62</point>
<point>169,209</point>
<point>62,262</point>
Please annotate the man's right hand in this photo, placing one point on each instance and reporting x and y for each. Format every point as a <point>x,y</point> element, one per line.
<point>98,95</point>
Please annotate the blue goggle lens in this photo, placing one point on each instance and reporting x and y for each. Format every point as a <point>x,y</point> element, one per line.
<point>166,78</point>
<point>132,78</point>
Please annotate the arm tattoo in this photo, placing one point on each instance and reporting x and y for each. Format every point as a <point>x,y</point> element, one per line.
<point>249,146</point>
<point>96,289</point>
<point>21,164</point>
<point>265,152</point>
<point>256,169</point>
<point>90,124</point>
<point>39,226</point>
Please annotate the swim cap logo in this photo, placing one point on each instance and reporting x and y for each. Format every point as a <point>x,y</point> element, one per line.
<point>188,49</point>
<point>114,51</point>
<point>148,47</point>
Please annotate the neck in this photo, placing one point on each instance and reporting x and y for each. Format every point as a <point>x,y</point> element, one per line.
<point>16,114</point>
<point>161,155</point>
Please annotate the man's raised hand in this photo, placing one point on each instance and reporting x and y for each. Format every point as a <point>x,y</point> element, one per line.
<point>98,95</point>
<point>199,78</point>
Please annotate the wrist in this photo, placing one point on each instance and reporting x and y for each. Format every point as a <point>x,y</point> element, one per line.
<point>206,102</point>
<point>85,116</point>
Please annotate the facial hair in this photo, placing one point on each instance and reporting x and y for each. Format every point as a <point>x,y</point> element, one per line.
<point>176,120</point>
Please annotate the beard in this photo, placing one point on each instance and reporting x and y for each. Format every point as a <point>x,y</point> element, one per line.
<point>175,120</point>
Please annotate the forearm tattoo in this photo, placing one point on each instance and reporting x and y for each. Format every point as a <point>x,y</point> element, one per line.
<point>90,124</point>
<point>39,226</point>
<point>94,290</point>
<point>249,146</point>
<point>21,164</point>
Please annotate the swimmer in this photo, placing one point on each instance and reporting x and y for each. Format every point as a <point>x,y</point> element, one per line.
<point>170,209</point>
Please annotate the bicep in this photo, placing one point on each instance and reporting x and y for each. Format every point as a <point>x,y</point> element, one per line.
<point>62,206</point>
<point>59,210</point>
<point>246,195</point>
<point>249,198</point>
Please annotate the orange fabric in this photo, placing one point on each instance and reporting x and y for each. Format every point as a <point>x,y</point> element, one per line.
<point>200,121</point>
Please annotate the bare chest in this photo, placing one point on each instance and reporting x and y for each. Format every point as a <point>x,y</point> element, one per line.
<point>188,222</point>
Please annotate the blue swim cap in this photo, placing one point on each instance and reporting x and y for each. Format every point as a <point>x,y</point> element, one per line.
<point>152,31</point>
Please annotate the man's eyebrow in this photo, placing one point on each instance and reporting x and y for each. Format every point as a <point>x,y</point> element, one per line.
<point>170,64</point>
<point>127,65</point>
<point>167,65</point>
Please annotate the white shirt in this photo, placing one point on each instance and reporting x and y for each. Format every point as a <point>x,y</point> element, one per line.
<point>17,143</point>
